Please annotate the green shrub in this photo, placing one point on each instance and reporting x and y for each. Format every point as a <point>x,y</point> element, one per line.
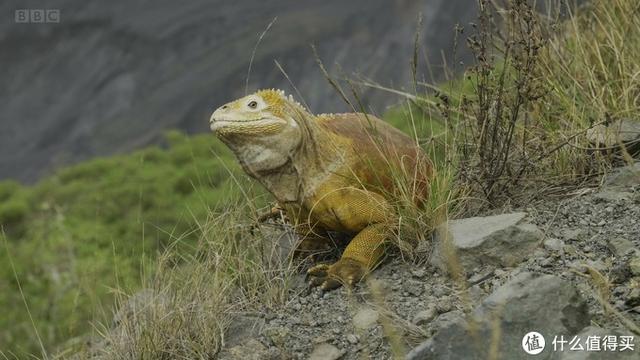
<point>13,211</point>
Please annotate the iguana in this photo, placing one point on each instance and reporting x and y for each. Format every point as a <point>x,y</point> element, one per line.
<point>330,172</point>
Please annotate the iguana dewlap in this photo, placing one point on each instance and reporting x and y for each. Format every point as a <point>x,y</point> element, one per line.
<point>331,172</point>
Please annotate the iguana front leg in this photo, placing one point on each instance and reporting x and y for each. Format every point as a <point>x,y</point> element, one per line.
<point>371,217</point>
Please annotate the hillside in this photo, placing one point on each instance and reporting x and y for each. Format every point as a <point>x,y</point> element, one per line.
<point>113,77</point>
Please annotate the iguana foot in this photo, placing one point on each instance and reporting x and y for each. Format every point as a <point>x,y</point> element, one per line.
<point>328,277</point>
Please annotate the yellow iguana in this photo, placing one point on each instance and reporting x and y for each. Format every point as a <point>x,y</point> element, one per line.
<point>330,172</point>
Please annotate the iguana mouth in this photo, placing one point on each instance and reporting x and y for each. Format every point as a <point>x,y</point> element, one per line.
<point>225,123</point>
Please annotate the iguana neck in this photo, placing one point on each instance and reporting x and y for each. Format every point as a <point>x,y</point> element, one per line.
<point>308,165</point>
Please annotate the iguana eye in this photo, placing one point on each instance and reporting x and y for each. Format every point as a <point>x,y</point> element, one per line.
<point>252,104</point>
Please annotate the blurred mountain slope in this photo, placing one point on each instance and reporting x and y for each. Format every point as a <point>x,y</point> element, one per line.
<point>113,76</point>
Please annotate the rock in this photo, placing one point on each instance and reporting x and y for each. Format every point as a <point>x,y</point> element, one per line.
<point>593,331</point>
<point>446,319</point>
<point>528,302</point>
<point>277,335</point>
<point>634,265</point>
<point>251,349</point>
<point>480,276</point>
<point>633,299</point>
<point>418,273</point>
<point>365,318</point>
<point>326,351</point>
<point>352,339</point>
<point>444,305</point>
<point>503,240</point>
<point>624,132</point>
<point>277,242</point>
<point>425,316</point>
<point>553,244</point>
<point>624,177</point>
<point>613,195</point>
<point>572,234</point>
<point>620,246</point>
<point>243,328</point>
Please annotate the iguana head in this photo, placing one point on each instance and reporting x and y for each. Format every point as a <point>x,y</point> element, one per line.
<point>264,129</point>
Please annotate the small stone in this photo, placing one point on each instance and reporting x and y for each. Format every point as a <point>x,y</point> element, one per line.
<point>425,316</point>
<point>365,318</point>
<point>352,339</point>
<point>326,352</point>
<point>480,276</point>
<point>418,273</point>
<point>620,246</point>
<point>277,335</point>
<point>336,331</point>
<point>573,234</point>
<point>553,244</point>
<point>633,299</point>
<point>625,177</point>
<point>613,195</point>
<point>444,305</point>
<point>439,291</point>
<point>546,262</point>
<point>634,265</point>
<point>414,288</point>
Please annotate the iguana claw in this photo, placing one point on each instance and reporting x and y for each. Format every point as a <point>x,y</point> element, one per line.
<point>328,277</point>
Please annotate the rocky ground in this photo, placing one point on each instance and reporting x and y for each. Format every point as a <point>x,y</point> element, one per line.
<point>538,271</point>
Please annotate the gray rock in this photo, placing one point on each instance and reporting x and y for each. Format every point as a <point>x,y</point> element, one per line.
<point>250,349</point>
<point>419,273</point>
<point>278,242</point>
<point>425,316</point>
<point>243,328</point>
<point>634,265</point>
<point>624,177</point>
<point>277,335</point>
<point>546,304</point>
<point>365,318</point>
<point>503,240</point>
<point>613,195</point>
<point>620,246</point>
<point>572,234</point>
<point>553,244</point>
<point>624,132</point>
<point>593,331</point>
<point>446,319</point>
<point>326,351</point>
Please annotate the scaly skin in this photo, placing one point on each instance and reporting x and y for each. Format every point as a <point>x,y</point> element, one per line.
<point>330,172</point>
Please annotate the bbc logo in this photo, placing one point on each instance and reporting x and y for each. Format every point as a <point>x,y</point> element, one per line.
<point>37,16</point>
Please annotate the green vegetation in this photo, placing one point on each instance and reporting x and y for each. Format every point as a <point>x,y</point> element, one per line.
<point>94,229</point>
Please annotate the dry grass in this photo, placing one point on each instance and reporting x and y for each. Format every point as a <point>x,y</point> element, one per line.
<point>184,310</point>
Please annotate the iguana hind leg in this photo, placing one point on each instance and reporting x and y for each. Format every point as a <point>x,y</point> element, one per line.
<point>362,254</point>
<point>369,216</point>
